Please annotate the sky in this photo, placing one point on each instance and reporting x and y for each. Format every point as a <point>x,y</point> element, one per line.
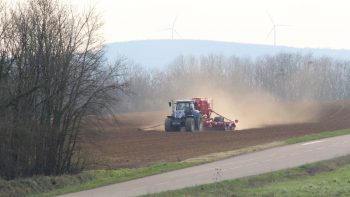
<point>299,23</point>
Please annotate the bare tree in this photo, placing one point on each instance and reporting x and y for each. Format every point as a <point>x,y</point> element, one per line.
<point>56,74</point>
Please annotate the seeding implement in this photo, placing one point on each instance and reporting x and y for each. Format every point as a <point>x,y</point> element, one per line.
<point>195,114</point>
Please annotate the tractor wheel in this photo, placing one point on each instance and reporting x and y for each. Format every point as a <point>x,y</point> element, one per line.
<point>189,124</point>
<point>199,124</point>
<point>227,128</point>
<point>167,125</point>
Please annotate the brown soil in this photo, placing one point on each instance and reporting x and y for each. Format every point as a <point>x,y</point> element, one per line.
<point>135,140</point>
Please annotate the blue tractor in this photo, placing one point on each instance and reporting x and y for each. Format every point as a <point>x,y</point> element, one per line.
<point>185,115</point>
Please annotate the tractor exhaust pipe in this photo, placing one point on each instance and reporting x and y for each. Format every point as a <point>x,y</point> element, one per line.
<point>171,104</point>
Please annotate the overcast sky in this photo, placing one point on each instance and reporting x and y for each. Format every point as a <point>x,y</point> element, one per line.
<point>309,23</point>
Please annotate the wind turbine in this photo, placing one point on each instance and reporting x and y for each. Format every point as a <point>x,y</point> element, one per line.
<point>173,30</point>
<point>273,29</point>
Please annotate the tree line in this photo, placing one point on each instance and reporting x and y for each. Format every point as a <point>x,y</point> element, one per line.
<point>286,77</point>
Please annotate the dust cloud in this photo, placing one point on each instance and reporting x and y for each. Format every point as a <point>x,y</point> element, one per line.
<point>255,108</point>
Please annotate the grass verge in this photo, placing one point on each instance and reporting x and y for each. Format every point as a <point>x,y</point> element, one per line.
<point>43,186</point>
<point>49,186</point>
<point>317,136</point>
<point>326,178</point>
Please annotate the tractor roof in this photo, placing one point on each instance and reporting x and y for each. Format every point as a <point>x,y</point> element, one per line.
<point>184,101</point>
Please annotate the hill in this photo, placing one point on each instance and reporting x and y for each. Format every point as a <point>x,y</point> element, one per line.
<point>159,53</point>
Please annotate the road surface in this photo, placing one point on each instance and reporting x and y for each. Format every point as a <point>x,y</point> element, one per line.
<point>240,166</point>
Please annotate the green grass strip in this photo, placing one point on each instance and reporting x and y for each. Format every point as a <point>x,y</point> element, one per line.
<point>107,177</point>
<point>317,136</point>
<point>326,178</point>
<point>43,186</point>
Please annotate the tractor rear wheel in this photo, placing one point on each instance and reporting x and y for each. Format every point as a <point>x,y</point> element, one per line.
<point>189,124</point>
<point>167,125</point>
<point>199,124</point>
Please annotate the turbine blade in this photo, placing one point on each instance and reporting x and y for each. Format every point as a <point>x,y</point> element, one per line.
<point>174,22</point>
<point>177,33</point>
<point>282,25</point>
<point>271,19</point>
<point>268,35</point>
<point>165,29</point>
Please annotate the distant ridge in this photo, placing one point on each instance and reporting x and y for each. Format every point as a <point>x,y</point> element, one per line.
<point>159,53</point>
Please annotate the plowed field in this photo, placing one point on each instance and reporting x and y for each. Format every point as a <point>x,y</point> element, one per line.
<point>138,138</point>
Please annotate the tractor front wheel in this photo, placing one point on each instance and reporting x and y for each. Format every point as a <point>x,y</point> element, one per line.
<point>167,125</point>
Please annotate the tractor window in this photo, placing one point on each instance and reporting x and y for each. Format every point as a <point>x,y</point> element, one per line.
<point>184,106</point>
<point>192,106</point>
<point>180,106</point>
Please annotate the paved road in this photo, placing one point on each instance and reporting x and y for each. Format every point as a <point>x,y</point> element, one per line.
<point>245,165</point>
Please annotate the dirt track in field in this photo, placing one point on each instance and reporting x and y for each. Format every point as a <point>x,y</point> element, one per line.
<point>136,141</point>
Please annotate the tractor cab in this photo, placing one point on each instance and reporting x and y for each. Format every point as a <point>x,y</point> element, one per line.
<point>186,106</point>
<point>185,115</point>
